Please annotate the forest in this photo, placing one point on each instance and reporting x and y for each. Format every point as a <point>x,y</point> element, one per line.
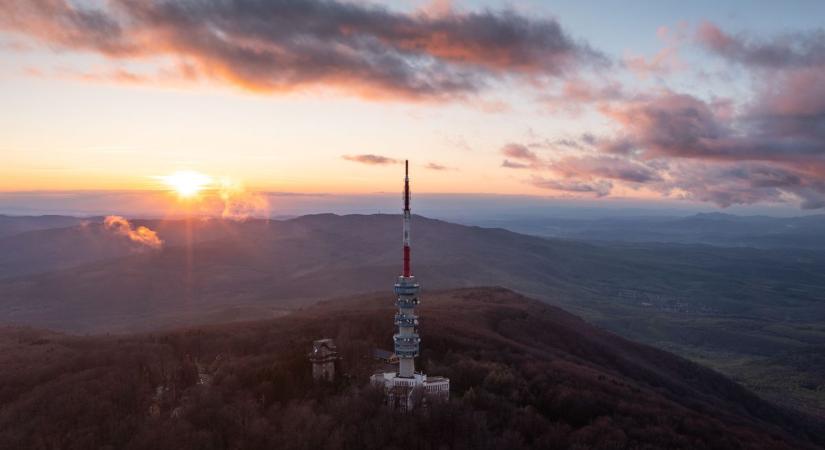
<point>523,375</point>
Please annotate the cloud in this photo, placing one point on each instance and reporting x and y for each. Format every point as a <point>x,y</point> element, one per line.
<point>598,188</point>
<point>791,108</point>
<point>665,61</point>
<point>240,204</point>
<point>559,144</point>
<point>273,46</point>
<point>61,23</point>
<point>790,50</point>
<point>727,184</point>
<point>585,172</point>
<point>662,63</point>
<point>375,160</point>
<point>140,235</point>
<point>605,167</point>
<point>436,166</point>
<point>668,124</point>
<point>767,148</point>
<point>520,152</point>
<point>571,143</point>
<point>787,114</point>
<point>577,92</point>
<point>523,156</point>
<point>772,150</point>
<point>589,138</point>
<point>781,126</point>
<point>583,166</point>
<point>514,165</point>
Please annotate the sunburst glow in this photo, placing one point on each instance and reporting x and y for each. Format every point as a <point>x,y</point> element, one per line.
<point>187,183</point>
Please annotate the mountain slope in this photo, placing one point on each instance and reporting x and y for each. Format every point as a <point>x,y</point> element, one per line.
<point>524,375</point>
<point>11,225</point>
<point>755,314</point>
<point>277,264</point>
<point>50,248</point>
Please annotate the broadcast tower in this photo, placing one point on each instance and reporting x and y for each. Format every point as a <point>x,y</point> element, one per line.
<point>399,386</point>
<point>406,289</point>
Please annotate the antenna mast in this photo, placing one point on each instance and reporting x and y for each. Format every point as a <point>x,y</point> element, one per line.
<point>407,270</point>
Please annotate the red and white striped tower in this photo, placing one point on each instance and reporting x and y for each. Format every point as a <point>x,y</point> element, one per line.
<point>406,289</point>
<point>400,385</point>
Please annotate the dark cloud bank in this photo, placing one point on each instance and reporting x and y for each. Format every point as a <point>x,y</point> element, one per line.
<point>276,45</point>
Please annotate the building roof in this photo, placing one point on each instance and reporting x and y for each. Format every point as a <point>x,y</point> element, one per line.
<point>382,354</point>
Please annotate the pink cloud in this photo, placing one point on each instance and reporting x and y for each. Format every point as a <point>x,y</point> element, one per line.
<point>370,159</point>
<point>519,151</point>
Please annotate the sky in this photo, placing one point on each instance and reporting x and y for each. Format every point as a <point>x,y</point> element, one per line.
<point>706,104</point>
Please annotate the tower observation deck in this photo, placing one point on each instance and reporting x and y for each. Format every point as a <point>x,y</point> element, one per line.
<point>400,385</point>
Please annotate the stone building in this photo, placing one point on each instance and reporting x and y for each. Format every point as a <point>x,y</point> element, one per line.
<point>323,357</point>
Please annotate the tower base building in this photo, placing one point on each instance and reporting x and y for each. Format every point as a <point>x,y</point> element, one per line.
<point>405,393</point>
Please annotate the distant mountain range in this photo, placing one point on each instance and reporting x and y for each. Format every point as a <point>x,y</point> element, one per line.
<point>720,229</point>
<point>754,313</point>
<point>523,375</point>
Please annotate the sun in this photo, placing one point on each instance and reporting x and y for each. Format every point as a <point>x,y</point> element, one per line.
<point>187,183</point>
